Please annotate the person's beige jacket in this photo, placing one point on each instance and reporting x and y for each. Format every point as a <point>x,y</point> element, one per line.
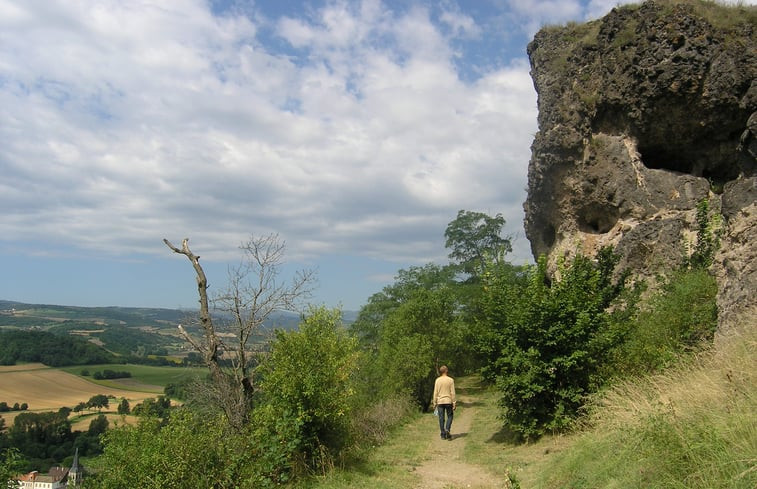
<point>444,391</point>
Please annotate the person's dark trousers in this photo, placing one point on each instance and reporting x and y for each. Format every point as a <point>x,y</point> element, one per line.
<point>445,411</point>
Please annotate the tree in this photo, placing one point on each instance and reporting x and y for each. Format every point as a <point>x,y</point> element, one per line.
<point>252,294</point>
<point>309,374</point>
<point>416,338</point>
<point>555,340</point>
<point>474,236</point>
<point>98,426</point>
<point>98,401</point>
<point>123,407</point>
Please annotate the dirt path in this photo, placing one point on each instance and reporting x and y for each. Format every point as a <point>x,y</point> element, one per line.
<point>444,466</point>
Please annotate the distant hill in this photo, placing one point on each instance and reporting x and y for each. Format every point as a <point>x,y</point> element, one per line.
<point>133,334</point>
<point>68,318</point>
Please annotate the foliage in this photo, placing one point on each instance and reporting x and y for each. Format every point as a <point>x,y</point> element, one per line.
<point>98,401</point>
<point>474,238</point>
<point>367,326</point>
<point>10,466</point>
<point>691,426</point>
<point>681,315</point>
<point>190,451</point>
<point>708,237</point>
<point>155,408</point>
<point>48,348</point>
<point>309,374</point>
<point>45,439</point>
<point>553,342</point>
<point>420,335</point>
<point>108,374</point>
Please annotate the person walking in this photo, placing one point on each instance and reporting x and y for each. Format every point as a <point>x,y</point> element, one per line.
<point>444,400</point>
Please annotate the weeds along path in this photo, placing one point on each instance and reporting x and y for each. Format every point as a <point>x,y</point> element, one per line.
<point>443,465</point>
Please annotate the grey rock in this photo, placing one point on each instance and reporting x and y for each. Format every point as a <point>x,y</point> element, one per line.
<point>642,114</point>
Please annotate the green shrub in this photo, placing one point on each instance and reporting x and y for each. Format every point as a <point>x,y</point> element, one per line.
<point>554,342</point>
<point>189,451</point>
<point>308,374</point>
<point>692,426</point>
<point>677,319</point>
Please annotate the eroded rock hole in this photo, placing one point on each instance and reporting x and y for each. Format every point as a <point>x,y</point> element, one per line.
<point>597,218</point>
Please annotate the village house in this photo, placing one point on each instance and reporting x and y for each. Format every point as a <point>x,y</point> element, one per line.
<point>57,478</point>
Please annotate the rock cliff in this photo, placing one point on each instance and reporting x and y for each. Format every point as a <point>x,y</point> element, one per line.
<point>642,114</point>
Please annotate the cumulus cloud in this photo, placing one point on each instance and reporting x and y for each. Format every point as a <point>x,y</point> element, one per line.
<point>123,123</point>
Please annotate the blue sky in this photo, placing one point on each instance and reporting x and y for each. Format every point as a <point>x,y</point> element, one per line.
<point>354,129</point>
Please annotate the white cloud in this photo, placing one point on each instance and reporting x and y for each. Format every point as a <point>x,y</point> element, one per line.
<point>126,123</point>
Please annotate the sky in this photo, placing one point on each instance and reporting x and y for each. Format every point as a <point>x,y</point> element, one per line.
<point>355,130</point>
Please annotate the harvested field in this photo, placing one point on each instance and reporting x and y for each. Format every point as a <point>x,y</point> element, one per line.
<point>49,389</point>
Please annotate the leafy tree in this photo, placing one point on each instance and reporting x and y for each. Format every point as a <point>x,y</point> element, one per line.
<point>39,434</point>
<point>417,337</point>
<point>156,408</point>
<point>309,374</point>
<point>253,293</point>
<point>98,426</point>
<point>554,342</point>
<point>474,237</point>
<point>10,466</point>
<point>123,407</point>
<point>98,401</point>
<point>367,327</point>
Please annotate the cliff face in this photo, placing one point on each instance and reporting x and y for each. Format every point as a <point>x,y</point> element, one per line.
<point>642,114</point>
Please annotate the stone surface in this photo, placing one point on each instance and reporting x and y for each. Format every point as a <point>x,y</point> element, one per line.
<point>642,114</point>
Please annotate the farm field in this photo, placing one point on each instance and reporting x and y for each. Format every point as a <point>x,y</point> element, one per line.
<point>48,389</point>
<point>143,377</point>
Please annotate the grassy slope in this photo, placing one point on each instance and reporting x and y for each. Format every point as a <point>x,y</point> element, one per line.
<point>693,427</point>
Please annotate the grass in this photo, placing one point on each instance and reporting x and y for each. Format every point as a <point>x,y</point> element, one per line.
<point>389,466</point>
<point>144,378</point>
<point>693,426</point>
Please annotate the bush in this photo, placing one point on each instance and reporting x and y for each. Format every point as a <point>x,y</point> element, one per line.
<point>677,319</point>
<point>553,342</point>
<point>308,374</point>
<point>372,424</point>
<point>190,451</point>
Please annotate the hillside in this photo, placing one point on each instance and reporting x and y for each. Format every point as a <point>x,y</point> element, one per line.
<point>124,331</point>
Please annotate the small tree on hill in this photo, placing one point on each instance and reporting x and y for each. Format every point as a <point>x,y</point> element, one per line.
<point>98,401</point>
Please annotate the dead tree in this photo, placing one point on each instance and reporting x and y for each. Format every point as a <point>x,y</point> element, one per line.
<point>253,293</point>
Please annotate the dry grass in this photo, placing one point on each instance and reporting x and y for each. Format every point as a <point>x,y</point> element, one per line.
<point>691,426</point>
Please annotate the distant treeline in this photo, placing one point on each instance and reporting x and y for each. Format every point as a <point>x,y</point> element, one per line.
<point>108,374</point>
<point>120,339</point>
<point>50,349</point>
<point>60,350</point>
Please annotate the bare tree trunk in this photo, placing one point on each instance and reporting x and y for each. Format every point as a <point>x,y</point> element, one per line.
<point>252,295</point>
<point>209,348</point>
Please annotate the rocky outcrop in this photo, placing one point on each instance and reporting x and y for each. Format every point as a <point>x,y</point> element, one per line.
<point>642,114</point>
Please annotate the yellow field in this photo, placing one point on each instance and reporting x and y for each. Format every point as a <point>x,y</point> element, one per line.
<point>48,389</point>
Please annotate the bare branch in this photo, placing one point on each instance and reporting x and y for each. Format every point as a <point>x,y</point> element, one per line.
<point>253,293</point>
